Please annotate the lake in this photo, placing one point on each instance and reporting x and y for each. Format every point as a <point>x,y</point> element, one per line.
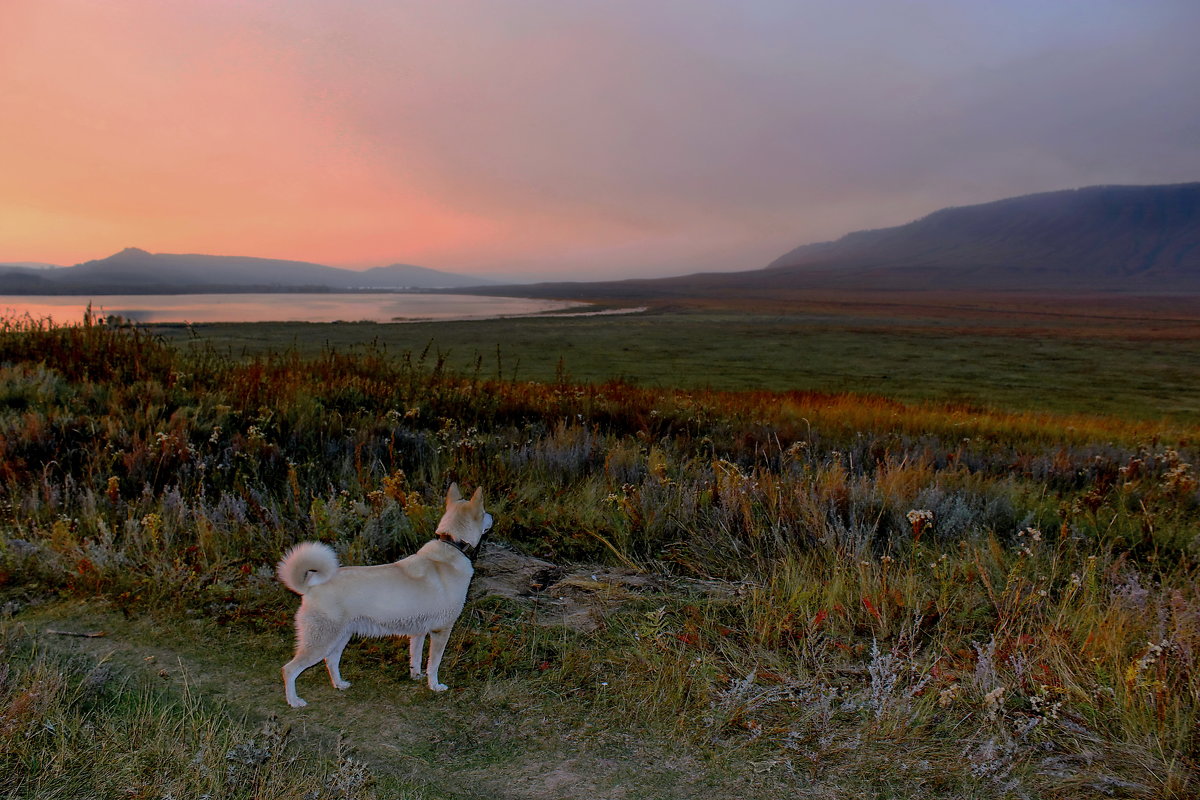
<point>380,307</point>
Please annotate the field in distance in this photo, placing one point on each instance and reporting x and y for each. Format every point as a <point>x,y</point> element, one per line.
<point>1135,357</point>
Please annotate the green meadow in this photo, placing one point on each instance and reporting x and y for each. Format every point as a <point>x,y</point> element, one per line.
<point>918,359</point>
<point>734,555</point>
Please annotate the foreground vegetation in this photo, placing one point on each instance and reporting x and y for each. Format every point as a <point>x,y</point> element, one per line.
<point>860,594</point>
<point>75,728</point>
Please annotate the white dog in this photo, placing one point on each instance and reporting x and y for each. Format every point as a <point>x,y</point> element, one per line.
<point>414,597</point>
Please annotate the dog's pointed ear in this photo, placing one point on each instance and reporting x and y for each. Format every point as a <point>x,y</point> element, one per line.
<point>477,498</point>
<point>453,495</point>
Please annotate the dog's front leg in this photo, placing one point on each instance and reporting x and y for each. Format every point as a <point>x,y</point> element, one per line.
<point>437,646</point>
<point>416,648</point>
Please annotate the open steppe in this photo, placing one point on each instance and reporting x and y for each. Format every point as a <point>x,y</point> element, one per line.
<point>935,547</point>
<point>1125,356</point>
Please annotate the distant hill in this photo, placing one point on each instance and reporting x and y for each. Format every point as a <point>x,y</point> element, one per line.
<point>38,265</point>
<point>134,271</point>
<point>1134,239</point>
<point>1122,238</point>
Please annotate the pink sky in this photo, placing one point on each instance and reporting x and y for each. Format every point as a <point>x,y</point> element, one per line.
<point>542,138</point>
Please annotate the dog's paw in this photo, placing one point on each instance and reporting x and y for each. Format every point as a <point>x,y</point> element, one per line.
<point>297,703</point>
<point>439,687</point>
<point>416,674</point>
<point>341,685</point>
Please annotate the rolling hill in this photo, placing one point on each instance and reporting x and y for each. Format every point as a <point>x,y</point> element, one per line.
<point>134,271</point>
<point>1112,239</point>
<point>1108,239</point>
<point>1136,238</point>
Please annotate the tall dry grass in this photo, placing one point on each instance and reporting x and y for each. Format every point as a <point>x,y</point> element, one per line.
<point>1009,599</point>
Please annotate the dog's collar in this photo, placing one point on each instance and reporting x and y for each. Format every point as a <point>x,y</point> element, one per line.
<point>466,548</point>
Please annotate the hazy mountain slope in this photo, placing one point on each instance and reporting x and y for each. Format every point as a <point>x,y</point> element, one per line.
<point>1105,237</point>
<point>29,265</point>
<point>1143,239</point>
<point>134,270</point>
<point>134,265</point>
<point>408,275</point>
<point>20,279</point>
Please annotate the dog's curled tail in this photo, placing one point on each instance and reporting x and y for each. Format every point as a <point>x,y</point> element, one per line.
<point>306,565</point>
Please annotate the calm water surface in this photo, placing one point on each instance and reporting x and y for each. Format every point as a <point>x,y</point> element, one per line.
<point>383,307</point>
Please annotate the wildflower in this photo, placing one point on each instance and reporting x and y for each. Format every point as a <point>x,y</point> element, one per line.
<point>153,525</point>
<point>1133,675</point>
<point>920,519</point>
<point>947,696</point>
<point>1076,580</point>
<point>993,701</point>
<point>1179,479</point>
<point>1148,659</point>
<point>1044,705</point>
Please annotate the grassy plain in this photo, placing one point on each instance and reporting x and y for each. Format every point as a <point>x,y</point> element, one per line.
<point>1096,360</point>
<point>810,592</point>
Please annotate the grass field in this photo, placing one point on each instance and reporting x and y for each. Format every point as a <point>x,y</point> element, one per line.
<point>974,578</point>
<point>1112,366</point>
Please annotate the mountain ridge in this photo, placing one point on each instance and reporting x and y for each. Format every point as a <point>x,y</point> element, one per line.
<point>137,271</point>
<point>1114,238</point>
<point>1108,239</point>
<point>1121,234</point>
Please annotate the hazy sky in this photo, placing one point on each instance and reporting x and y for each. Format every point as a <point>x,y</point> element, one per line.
<point>566,138</point>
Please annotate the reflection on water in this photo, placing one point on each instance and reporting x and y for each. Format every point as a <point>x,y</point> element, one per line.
<point>383,307</point>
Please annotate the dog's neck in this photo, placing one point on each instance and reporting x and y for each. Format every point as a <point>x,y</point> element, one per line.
<point>466,548</point>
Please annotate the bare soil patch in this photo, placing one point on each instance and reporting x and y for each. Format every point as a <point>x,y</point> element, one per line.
<point>491,738</point>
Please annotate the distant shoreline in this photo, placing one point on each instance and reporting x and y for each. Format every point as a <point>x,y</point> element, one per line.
<point>379,307</point>
<point>74,291</point>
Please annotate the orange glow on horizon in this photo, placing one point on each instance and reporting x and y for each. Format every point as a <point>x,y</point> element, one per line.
<point>187,136</point>
<point>563,140</point>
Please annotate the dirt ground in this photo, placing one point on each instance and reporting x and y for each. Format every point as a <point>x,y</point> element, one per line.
<point>491,739</point>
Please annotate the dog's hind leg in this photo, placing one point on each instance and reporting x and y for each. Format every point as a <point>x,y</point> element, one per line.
<point>416,648</point>
<point>291,670</point>
<point>314,634</point>
<point>333,661</point>
<point>437,646</point>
